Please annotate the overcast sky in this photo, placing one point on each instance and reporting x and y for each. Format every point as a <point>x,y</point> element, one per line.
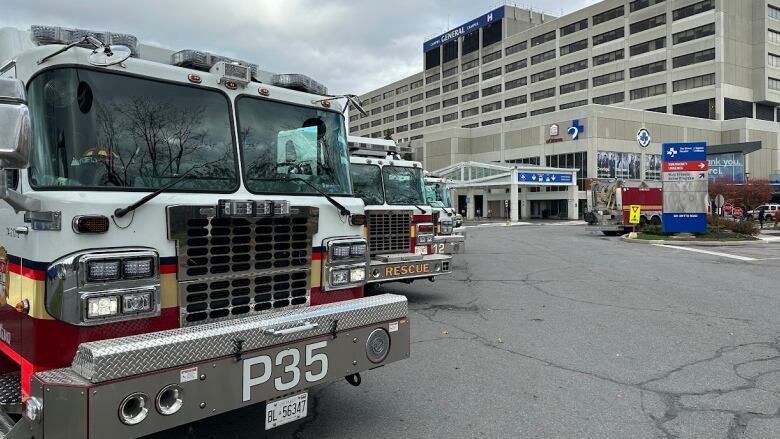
<point>351,46</point>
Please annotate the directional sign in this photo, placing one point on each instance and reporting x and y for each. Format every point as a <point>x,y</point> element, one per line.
<point>634,214</point>
<point>544,178</point>
<point>685,177</point>
<point>696,165</point>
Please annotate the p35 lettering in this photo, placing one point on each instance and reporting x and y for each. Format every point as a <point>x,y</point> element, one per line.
<point>259,370</point>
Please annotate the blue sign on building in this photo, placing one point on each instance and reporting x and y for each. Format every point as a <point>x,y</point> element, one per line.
<point>684,152</point>
<point>544,178</point>
<point>477,23</point>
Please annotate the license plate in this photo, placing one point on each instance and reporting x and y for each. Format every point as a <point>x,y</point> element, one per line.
<point>286,410</point>
<point>421,250</point>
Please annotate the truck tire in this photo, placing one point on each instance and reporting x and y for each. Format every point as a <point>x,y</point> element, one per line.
<point>655,220</point>
<point>611,232</point>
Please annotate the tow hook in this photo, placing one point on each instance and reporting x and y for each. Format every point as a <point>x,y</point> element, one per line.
<point>353,379</point>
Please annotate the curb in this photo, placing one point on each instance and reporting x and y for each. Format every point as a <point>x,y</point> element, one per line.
<point>625,238</point>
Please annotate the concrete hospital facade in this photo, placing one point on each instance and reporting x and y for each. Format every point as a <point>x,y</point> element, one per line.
<point>596,90</point>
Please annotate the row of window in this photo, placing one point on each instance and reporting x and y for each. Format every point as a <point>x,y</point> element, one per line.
<point>659,66</point>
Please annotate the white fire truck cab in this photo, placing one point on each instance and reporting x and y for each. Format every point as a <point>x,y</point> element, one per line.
<point>179,239</point>
<point>399,225</point>
<point>438,196</point>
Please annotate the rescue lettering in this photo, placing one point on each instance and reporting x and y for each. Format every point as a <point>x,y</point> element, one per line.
<point>411,269</point>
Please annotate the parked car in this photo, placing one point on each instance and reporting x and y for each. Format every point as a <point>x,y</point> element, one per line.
<point>769,212</point>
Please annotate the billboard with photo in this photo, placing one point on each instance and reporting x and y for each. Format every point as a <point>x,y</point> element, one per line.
<point>729,167</point>
<point>652,167</point>
<point>623,165</point>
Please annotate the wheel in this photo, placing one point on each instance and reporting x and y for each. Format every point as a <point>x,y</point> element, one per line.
<point>611,232</point>
<point>656,221</point>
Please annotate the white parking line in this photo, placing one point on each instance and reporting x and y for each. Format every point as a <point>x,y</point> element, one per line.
<point>707,252</point>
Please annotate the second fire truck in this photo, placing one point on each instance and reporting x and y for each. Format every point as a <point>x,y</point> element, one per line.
<point>399,227</point>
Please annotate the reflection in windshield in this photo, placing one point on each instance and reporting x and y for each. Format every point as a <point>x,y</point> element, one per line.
<point>95,130</point>
<point>282,141</point>
<point>403,185</point>
<point>367,183</point>
<point>437,194</point>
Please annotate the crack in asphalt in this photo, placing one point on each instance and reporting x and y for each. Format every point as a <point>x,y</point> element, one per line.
<point>672,400</point>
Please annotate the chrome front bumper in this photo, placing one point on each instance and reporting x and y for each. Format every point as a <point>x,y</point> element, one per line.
<point>209,362</point>
<point>390,268</point>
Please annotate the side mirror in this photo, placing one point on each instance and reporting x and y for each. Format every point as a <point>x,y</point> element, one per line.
<point>15,129</point>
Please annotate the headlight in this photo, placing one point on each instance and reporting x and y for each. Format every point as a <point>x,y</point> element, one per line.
<point>339,277</point>
<point>357,274</point>
<point>104,270</point>
<point>424,233</point>
<point>96,287</point>
<point>346,263</point>
<point>100,307</point>
<point>136,302</point>
<point>138,268</point>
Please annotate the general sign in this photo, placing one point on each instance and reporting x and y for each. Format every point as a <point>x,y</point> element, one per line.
<point>544,178</point>
<point>685,187</point>
<point>477,23</point>
<point>634,214</point>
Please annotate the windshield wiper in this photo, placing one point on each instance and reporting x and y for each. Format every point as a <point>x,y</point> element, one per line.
<point>119,213</point>
<point>342,210</point>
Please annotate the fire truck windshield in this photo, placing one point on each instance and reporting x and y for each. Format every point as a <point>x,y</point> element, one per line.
<point>367,183</point>
<point>280,140</point>
<point>437,194</point>
<point>98,130</point>
<point>403,185</point>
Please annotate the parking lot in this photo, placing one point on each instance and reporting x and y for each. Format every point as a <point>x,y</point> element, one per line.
<point>552,331</point>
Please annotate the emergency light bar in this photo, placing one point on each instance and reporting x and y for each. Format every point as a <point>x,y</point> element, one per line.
<point>44,35</point>
<point>205,61</point>
<point>371,146</point>
<point>299,82</point>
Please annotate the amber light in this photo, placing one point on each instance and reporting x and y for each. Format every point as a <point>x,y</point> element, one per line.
<point>195,79</point>
<point>357,219</point>
<point>264,92</point>
<point>90,224</point>
<point>326,104</point>
<point>231,85</point>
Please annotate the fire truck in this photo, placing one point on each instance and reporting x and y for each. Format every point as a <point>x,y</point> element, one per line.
<point>179,240</point>
<point>438,196</point>
<point>399,225</point>
<point>610,201</point>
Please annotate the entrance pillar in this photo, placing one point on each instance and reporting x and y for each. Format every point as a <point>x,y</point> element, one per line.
<point>572,202</point>
<point>513,204</point>
<point>470,204</point>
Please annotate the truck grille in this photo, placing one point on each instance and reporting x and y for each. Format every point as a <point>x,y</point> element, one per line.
<point>231,267</point>
<point>389,231</point>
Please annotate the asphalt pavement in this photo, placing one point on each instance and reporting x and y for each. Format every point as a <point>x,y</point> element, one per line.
<point>553,331</point>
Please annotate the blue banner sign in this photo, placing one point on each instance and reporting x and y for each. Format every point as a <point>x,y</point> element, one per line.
<point>729,167</point>
<point>544,178</point>
<point>477,23</point>
<point>684,152</point>
<point>685,222</point>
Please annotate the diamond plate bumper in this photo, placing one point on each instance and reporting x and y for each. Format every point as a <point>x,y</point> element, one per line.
<point>423,267</point>
<point>112,359</point>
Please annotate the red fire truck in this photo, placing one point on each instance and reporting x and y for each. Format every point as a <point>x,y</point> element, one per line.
<point>610,201</point>
<point>179,240</point>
